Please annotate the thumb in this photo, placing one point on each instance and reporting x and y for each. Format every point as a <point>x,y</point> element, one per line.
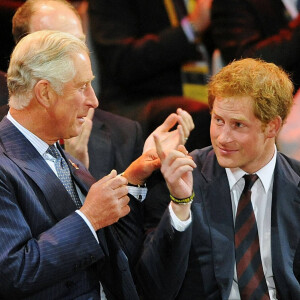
<point>106,178</point>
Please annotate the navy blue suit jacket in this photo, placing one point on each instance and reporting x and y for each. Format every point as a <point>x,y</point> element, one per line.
<point>210,269</point>
<point>47,250</point>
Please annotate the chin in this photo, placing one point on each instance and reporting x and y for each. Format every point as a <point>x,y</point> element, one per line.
<point>227,163</point>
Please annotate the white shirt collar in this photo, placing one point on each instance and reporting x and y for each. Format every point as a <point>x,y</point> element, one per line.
<point>265,174</point>
<point>36,142</point>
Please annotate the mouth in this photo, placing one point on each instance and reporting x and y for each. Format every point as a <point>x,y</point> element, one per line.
<point>80,119</point>
<point>226,151</point>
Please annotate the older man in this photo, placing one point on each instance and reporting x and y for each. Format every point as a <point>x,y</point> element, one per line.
<point>49,249</point>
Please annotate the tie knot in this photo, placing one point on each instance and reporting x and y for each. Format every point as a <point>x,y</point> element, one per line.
<point>249,181</point>
<point>52,150</point>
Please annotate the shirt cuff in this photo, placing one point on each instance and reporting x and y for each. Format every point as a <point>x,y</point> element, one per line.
<point>88,223</point>
<point>138,193</point>
<point>178,224</point>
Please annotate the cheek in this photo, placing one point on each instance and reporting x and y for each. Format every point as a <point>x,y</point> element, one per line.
<point>213,130</point>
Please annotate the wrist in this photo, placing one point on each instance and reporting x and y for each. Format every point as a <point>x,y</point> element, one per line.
<point>132,181</point>
<point>182,212</point>
<point>183,201</point>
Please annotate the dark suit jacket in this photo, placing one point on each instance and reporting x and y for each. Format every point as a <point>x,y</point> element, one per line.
<point>115,142</point>
<point>210,268</point>
<point>47,250</point>
<point>254,28</point>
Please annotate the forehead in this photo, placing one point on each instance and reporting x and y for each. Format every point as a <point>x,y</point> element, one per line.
<point>82,65</point>
<point>234,106</point>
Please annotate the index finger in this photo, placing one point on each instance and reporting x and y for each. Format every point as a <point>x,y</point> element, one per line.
<point>90,114</point>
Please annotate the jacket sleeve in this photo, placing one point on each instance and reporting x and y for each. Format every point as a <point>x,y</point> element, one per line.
<point>164,260</point>
<point>29,261</point>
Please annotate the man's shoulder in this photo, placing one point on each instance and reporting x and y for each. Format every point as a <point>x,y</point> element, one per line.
<point>288,162</point>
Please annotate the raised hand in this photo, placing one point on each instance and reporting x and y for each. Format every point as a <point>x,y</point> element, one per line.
<point>177,167</point>
<point>171,139</point>
<point>106,201</point>
<point>78,146</point>
<point>142,168</point>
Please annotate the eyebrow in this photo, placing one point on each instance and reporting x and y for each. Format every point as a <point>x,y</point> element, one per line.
<point>240,119</point>
<point>85,81</point>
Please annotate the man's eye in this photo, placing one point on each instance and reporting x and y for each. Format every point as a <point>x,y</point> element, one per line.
<point>84,87</point>
<point>218,121</point>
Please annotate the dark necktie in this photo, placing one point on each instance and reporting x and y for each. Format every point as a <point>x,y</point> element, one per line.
<point>63,173</point>
<point>251,279</point>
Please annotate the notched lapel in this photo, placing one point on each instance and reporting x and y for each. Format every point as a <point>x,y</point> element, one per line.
<point>80,175</point>
<point>217,204</point>
<point>19,150</point>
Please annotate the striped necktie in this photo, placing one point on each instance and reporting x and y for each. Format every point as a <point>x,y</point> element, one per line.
<point>251,279</point>
<point>63,173</point>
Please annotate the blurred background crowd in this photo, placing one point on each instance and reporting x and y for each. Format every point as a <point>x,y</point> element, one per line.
<point>148,60</point>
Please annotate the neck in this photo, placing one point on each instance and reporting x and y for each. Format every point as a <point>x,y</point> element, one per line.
<point>35,120</point>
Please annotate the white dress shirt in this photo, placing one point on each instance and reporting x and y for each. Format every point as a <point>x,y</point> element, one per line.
<point>261,199</point>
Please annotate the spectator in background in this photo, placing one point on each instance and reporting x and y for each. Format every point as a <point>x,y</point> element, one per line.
<point>7,10</point>
<point>268,29</point>
<point>140,57</point>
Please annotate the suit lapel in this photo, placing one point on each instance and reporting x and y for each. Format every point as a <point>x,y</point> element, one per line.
<point>27,158</point>
<point>285,217</point>
<point>217,204</point>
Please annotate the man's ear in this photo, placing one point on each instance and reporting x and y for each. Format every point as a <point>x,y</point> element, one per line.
<point>44,93</point>
<point>273,127</point>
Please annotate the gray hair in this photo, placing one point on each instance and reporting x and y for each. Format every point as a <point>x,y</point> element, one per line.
<point>44,54</point>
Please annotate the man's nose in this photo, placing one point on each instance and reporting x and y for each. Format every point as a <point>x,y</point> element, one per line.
<point>225,135</point>
<point>92,98</point>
